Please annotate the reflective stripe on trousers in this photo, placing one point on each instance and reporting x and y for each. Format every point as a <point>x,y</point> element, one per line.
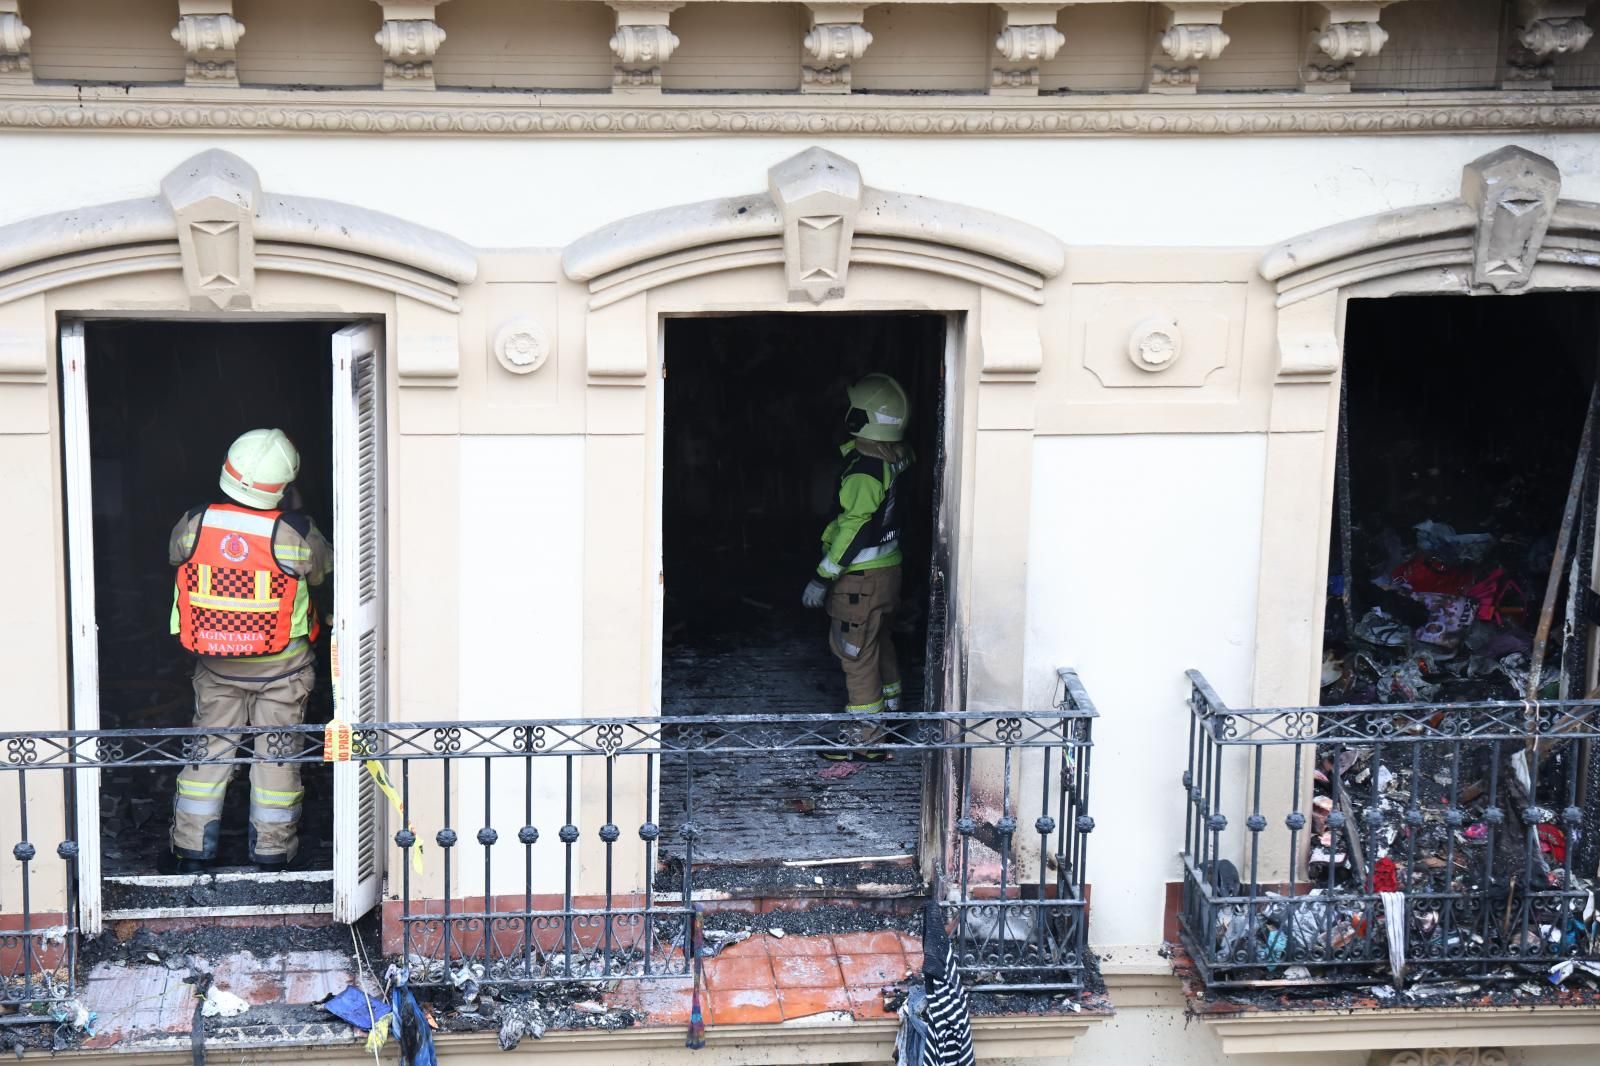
<point>223,704</point>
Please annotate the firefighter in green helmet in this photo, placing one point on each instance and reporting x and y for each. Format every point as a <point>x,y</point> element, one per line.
<point>858,579</point>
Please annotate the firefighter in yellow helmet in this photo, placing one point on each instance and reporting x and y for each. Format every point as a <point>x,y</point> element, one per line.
<point>241,604</point>
<point>858,579</point>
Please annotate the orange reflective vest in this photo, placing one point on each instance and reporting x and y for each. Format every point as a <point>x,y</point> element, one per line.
<point>233,597</point>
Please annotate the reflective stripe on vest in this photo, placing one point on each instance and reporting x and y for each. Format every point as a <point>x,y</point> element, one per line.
<point>233,599</point>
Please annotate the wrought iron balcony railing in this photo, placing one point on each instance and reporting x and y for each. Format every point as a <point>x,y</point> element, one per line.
<point>1010,871</point>
<point>1368,844</point>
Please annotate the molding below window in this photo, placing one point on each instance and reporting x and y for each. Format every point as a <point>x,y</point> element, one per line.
<point>161,108</point>
<point>1395,1028</point>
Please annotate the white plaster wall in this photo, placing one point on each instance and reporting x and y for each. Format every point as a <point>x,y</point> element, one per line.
<point>541,192</point>
<point>521,635</point>
<point>1142,564</point>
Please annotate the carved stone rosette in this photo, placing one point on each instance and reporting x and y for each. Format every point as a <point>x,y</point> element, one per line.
<point>1027,38</point>
<point>1349,32</point>
<point>1192,34</point>
<point>1545,29</point>
<point>15,64</point>
<point>409,46</point>
<point>641,44</point>
<point>209,43</point>
<point>836,37</point>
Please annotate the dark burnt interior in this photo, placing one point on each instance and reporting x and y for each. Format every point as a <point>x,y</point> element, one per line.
<point>754,417</point>
<point>1465,413</point>
<point>165,401</point>
<point>1461,428</point>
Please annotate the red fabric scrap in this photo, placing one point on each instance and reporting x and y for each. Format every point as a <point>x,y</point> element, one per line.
<point>1553,842</point>
<point>1385,877</point>
<point>1422,574</point>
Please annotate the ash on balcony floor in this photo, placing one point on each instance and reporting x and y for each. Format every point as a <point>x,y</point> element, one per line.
<point>783,805</point>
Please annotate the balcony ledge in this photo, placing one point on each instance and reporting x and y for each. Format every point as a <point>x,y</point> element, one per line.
<point>1394,1028</point>
<point>821,1039</point>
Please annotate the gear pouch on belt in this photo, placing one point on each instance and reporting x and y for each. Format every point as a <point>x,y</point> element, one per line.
<point>851,599</point>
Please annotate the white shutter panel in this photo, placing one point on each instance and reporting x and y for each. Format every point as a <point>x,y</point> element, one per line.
<point>358,596</point>
<point>85,631</point>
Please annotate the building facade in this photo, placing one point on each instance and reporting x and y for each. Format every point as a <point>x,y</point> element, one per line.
<point>471,245</point>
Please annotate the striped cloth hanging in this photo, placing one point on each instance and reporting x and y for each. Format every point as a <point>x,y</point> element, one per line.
<point>936,1028</point>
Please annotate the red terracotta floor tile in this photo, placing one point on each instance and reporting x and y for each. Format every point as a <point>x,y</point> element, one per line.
<point>884,942</point>
<point>746,1006</point>
<point>754,948</point>
<point>739,973</point>
<point>807,971</point>
<point>909,943</point>
<point>914,961</point>
<point>667,1001</point>
<point>626,994</point>
<point>302,987</point>
<point>799,945</point>
<point>867,1003</point>
<point>872,969</point>
<point>803,1002</point>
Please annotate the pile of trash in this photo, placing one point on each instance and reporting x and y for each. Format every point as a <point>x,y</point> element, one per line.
<point>1428,861</point>
<point>1448,618</point>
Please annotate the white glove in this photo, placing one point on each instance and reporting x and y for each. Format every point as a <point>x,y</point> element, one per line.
<point>814,595</point>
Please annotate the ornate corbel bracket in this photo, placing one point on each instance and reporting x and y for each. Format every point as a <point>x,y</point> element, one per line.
<point>1027,37</point>
<point>410,38</point>
<point>209,36</point>
<point>819,195</point>
<point>1514,193</point>
<point>1189,35</point>
<point>15,62</point>
<point>835,39</point>
<point>1543,30</point>
<point>642,44</point>
<point>213,198</point>
<point>1342,34</point>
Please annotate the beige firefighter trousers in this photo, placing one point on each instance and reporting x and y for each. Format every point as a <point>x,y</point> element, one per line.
<point>221,704</point>
<point>860,612</point>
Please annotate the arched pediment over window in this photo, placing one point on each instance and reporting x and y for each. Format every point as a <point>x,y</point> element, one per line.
<point>1509,231</point>
<point>815,220</point>
<point>213,221</point>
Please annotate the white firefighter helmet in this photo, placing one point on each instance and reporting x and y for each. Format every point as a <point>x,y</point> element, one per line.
<point>259,467</point>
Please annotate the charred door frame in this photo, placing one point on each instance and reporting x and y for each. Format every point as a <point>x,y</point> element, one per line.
<point>1508,233</point>
<point>945,658</point>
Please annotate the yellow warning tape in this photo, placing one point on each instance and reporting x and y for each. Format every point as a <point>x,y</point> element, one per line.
<point>379,1034</point>
<point>338,746</point>
<point>380,777</point>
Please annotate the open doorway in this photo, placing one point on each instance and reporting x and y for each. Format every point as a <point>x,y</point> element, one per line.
<point>1463,495</point>
<point>1459,435</point>
<point>753,421</point>
<point>165,400</point>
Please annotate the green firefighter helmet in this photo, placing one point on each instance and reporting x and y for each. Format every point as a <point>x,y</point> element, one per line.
<point>878,408</point>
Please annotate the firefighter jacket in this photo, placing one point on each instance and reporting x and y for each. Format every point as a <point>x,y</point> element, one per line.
<point>866,535</point>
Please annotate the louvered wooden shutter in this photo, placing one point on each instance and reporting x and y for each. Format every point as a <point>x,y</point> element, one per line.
<point>85,638</point>
<point>359,586</point>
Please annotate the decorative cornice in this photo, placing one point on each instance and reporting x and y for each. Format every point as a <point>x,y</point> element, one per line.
<point>44,107</point>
